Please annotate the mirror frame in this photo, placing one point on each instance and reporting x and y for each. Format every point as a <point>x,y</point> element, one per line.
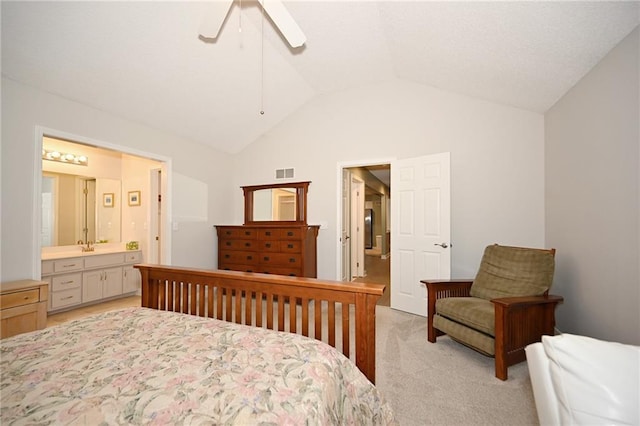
<point>301,203</point>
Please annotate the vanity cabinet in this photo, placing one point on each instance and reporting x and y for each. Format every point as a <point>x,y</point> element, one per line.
<point>283,250</point>
<point>76,281</point>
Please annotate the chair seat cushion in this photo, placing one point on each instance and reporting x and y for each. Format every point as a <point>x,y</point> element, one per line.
<point>476,313</point>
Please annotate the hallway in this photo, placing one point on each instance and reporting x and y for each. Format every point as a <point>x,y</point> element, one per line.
<point>378,271</point>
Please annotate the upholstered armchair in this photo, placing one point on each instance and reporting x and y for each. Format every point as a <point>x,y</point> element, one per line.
<point>505,308</point>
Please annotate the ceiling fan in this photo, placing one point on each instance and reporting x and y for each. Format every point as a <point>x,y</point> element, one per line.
<point>217,12</point>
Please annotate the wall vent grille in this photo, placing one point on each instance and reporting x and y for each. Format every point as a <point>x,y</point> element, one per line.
<point>284,173</point>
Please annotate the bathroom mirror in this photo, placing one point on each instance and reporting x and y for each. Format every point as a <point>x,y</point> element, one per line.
<point>284,203</point>
<point>80,208</point>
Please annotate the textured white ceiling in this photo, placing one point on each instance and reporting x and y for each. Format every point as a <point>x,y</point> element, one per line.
<point>144,60</point>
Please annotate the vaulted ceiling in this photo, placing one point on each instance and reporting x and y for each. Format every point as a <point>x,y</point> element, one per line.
<point>144,61</point>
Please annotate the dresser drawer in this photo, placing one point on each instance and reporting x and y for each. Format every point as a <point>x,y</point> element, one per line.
<point>73,264</point>
<point>247,245</point>
<point>237,233</point>
<point>19,298</point>
<point>60,299</point>
<point>238,267</point>
<point>244,257</point>
<point>66,282</point>
<point>281,259</point>
<point>280,234</point>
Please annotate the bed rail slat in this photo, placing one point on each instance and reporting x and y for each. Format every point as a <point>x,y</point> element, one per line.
<point>249,298</point>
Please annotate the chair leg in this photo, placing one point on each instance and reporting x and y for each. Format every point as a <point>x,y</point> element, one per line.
<point>431,332</point>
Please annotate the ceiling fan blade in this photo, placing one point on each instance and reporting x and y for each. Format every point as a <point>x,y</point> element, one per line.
<point>214,17</point>
<point>284,21</point>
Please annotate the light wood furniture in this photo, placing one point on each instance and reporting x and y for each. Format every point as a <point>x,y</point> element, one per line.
<point>23,307</point>
<point>322,309</point>
<point>270,249</point>
<point>92,278</point>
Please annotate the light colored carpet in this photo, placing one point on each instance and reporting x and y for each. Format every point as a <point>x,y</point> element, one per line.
<point>445,383</point>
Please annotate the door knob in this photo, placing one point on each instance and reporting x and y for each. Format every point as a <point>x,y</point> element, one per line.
<point>443,245</point>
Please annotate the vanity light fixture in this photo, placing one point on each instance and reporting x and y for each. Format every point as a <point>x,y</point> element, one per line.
<point>61,157</point>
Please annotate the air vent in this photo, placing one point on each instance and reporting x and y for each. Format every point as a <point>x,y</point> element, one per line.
<point>284,173</point>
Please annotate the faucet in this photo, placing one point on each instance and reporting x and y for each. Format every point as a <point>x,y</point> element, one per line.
<point>88,247</point>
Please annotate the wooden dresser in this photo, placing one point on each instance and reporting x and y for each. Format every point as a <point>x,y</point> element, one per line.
<point>271,249</point>
<point>23,307</point>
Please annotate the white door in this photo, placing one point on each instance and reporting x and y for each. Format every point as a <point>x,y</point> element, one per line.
<point>357,227</point>
<point>344,235</point>
<point>421,231</point>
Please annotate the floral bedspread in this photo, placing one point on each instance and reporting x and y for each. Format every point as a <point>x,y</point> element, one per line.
<point>142,366</point>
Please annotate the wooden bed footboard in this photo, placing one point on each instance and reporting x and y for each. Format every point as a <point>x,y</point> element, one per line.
<point>342,314</point>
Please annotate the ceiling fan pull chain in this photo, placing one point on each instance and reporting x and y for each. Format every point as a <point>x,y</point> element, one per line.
<point>262,65</point>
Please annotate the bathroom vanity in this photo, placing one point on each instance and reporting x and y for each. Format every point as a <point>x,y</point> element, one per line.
<point>81,278</point>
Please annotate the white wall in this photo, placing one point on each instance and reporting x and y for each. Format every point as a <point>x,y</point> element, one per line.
<point>592,196</point>
<point>497,154</point>
<point>24,108</point>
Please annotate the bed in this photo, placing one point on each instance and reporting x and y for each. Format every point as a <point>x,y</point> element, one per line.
<point>156,365</point>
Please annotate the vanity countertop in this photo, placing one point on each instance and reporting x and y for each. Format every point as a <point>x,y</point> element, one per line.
<point>77,252</point>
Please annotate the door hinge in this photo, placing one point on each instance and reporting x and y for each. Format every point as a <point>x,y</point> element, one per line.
<point>159,198</point>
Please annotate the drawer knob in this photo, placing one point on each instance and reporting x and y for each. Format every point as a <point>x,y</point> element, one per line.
<point>226,256</point>
<point>268,245</point>
<point>266,258</point>
<point>249,257</point>
<point>290,246</point>
<point>290,233</point>
<point>292,260</point>
<point>247,233</point>
<point>228,243</point>
<point>268,233</point>
<point>247,244</point>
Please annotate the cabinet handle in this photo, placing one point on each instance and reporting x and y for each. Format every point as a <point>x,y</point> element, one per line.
<point>266,258</point>
<point>290,246</point>
<point>290,233</point>
<point>67,298</point>
<point>268,233</point>
<point>71,265</point>
<point>249,257</point>
<point>26,298</point>
<point>292,260</point>
<point>67,282</point>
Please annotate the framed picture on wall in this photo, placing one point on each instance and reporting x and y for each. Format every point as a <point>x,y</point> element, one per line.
<point>134,198</point>
<point>107,199</point>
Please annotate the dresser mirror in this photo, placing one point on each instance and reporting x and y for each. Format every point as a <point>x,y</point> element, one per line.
<point>284,203</point>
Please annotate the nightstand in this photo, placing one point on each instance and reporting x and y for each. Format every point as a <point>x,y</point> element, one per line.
<point>23,307</point>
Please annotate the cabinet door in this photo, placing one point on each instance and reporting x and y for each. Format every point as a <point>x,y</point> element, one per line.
<point>112,282</point>
<point>92,284</point>
<point>130,279</point>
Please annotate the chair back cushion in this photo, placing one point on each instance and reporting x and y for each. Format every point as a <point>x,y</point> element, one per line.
<point>513,272</point>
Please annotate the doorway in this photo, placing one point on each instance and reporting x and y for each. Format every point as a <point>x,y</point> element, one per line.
<point>365,225</point>
<point>129,163</point>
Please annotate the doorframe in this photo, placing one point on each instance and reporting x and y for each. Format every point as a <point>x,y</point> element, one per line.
<point>40,133</point>
<point>339,167</point>
<point>356,230</point>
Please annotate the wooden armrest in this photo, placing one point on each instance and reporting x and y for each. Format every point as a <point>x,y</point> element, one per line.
<point>445,285</point>
<point>512,302</point>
